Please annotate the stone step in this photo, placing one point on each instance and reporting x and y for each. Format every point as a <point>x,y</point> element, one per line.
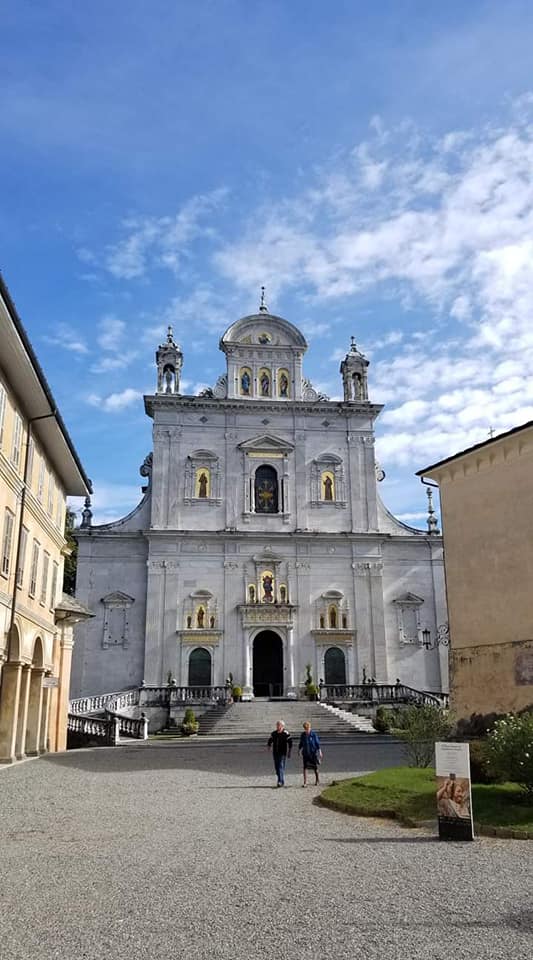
<point>258,718</point>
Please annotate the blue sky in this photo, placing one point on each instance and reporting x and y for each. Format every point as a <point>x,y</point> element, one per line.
<point>370,163</point>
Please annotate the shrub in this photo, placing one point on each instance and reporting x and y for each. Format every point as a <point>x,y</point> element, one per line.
<point>311,690</point>
<point>382,722</point>
<point>190,723</point>
<point>422,726</point>
<point>480,771</point>
<point>510,750</point>
<point>236,692</point>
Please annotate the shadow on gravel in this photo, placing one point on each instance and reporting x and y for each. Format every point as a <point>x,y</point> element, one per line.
<point>406,839</point>
<point>236,758</point>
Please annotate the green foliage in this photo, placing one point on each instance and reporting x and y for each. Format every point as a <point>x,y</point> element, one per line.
<point>308,675</point>
<point>422,726</point>
<point>480,771</point>
<point>311,690</point>
<point>510,750</point>
<point>236,692</point>
<point>382,722</point>
<point>410,794</point>
<point>190,723</point>
<point>71,560</point>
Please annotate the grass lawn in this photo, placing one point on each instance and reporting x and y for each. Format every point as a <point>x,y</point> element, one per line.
<point>409,794</point>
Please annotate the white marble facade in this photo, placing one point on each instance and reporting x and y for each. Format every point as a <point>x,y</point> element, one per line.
<point>261,544</point>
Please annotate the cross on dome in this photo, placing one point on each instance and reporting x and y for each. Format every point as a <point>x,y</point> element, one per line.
<point>263,306</point>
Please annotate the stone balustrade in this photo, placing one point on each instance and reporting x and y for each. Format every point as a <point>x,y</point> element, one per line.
<point>105,701</point>
<point>105,730</point>
<point>380,693</point>
<point>173,695</point>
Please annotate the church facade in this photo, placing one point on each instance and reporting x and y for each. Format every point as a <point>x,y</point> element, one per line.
<point>261,544</point>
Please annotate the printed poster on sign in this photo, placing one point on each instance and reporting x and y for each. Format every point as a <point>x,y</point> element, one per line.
<point>454,793</point>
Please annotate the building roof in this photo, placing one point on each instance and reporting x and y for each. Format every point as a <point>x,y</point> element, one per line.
<point>476,446</point>
<point>27,379</point>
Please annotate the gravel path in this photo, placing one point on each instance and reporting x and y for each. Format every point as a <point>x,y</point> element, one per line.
<point>165,851</point>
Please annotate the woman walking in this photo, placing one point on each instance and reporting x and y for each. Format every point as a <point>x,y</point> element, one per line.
<point>309,747</point>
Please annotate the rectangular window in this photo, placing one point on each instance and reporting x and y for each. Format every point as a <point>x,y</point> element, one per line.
<point>59,511</point>
<point>44,577</point>
<point>34,568</point>
<point>53,591</point>
<point>51,494</point>
<point>17,440</point>
<point>40,481</point>
<point>7,541</point>
<point>22,556</point>
<point>31,455</point>
<point>2,413</point>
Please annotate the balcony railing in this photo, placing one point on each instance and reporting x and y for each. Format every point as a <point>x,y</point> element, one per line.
<point>174,695</point>
<point>105,701</point>
<point>379,693</point>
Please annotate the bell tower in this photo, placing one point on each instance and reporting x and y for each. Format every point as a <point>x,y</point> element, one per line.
<point>353,370</point>
<point>169,360</point>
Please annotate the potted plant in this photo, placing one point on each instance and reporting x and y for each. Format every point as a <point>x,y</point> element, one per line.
<point>311,689</point>
<point>236,694</point>
<point>189,726</point>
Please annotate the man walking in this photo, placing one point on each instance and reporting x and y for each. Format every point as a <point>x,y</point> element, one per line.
<point>281,743</point>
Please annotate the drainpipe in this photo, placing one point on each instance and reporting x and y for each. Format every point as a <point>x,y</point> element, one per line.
<point>32,420</point>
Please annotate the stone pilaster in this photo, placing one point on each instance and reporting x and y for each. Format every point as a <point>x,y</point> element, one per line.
<point>155,600</point>
<point>44,740</point>
<point>35,709</point>
<point>9,709</point>
<point>66,644</point>
<point>22,719</point>
<point>371,647</point>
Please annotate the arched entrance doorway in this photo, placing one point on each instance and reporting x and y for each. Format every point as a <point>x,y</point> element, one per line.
<point>200,668</point>
<point>268,665</point>
<point>335,666</point>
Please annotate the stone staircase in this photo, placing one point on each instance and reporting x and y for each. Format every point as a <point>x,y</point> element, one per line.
<point>258,717</point>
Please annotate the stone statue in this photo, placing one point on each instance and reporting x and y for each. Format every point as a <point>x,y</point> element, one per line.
<point>202,485</point>
<point>267,588</point>
<point>245,382</point>
<point>200,617</point>
<point>265,385</point>
<point>283,386</point>
<point>328,489</point>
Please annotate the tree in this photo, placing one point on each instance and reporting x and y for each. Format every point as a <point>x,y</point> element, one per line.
<point>71,558</point>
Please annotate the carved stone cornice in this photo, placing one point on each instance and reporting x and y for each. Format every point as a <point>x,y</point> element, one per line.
<point>238,405</point>
<point>333,637</point>
<point>267,614</point>
<point>372,567</point>
<point>201,637</point>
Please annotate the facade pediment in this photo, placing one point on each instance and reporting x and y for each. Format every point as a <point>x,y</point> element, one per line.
<point>408,598</point>
<point>267,444</point>
<point>117,598</point>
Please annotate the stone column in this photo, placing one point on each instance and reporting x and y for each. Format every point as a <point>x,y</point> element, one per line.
<point>35,709</point>
<point>44,744</point>
<point>66,643</point>
<point>9,708</point>
<point>22,719</point>
<point>153,646</point>
<point>291,690</point>
<point>247,687</point>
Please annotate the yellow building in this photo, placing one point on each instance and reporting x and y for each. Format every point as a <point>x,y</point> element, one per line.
<point>39,467</point>
<point>486,495</point>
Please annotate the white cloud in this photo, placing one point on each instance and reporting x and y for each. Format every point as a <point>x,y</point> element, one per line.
<point>67,338</point>
<point>115,402</point>
<point>111,332</point>
<point>162,242</point>
<point>110,501</point>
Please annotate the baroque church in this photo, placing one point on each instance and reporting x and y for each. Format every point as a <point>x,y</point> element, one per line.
<point>261,544</point>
